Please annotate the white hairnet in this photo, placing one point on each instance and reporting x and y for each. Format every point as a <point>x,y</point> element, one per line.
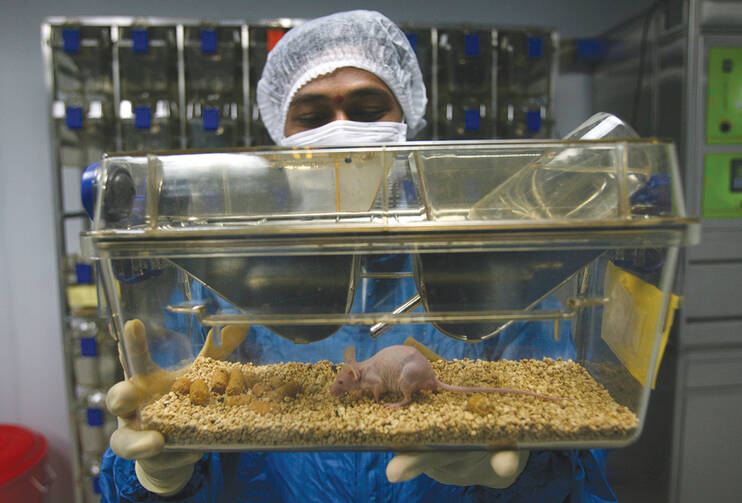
<point>360,39</point>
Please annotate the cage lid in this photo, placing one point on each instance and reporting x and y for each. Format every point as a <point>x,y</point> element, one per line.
<point>360,199</point>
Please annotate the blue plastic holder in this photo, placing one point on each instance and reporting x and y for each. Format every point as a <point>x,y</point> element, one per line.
<point>94,416</point>
<point>84,274</point>
<point>96,485</point>
<point>88,346</point>
<point>471,45</point>
<point>472,119</point>
<point>87,188</point>
<point>590,50</point>
<point>534,47</point>
<point>73,117</point>
<point>412,39</point>
<point>142,117</point>
<point>208,41</point>
<point>140,38</point>
<point>533,121</point>
<point>210,118</point>
<point>71,40</point>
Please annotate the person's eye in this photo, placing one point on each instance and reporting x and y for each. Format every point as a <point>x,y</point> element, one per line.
<point>312,119</point>
<point>368,114</point>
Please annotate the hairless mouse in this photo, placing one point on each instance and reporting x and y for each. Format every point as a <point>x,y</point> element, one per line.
<point>403,369</point>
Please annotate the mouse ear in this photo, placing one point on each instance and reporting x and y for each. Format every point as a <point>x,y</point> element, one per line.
<point>349,354</point>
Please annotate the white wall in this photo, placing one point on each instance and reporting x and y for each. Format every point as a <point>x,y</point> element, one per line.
<point>31,363</point>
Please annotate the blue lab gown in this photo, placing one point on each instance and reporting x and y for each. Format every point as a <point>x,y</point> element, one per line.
<point>558,476</point>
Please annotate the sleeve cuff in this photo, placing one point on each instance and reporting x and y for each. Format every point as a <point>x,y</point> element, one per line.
<point>119,482</point>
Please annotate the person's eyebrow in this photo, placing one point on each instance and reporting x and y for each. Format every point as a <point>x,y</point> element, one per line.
<point>304,99</point>
<point>362,92</point>
<point>370,91</point>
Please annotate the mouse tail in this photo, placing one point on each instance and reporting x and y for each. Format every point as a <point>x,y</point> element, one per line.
<point>467,389</point>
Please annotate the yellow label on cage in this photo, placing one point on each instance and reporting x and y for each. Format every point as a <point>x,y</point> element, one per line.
<point>81,296</point>
<point>630,321</point>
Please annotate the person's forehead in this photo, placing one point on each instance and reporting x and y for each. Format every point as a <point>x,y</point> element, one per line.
<point>343,80</point>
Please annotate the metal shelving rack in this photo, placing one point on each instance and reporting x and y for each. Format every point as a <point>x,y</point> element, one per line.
<point>127,83</point>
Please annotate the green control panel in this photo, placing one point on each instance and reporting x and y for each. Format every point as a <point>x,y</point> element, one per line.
<point>724,101</point>
<point>722,186</point>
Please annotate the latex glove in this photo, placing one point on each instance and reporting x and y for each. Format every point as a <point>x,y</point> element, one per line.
<point>498,470</point>
<point>163,473</point>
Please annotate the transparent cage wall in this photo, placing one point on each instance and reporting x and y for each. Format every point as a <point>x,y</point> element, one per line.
<point>571,317</point>
<point>288,257</point>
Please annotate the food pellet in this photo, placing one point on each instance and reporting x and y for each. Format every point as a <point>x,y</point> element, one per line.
<point>313,417</point>
<point>236,383</point>
<point>478,404</point>
<point>275,381</point>
<point>219,381</point>
<point>250,378</point>
<point>260,388</point>
<point>290,389</point>
<point>199,392</point>
<point>181,386</point>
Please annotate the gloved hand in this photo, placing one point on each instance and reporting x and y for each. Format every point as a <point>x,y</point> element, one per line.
<point>163,473</point>
<point>498,470</point>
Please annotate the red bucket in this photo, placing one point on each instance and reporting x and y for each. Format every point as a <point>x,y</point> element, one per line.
<point>24,474</point>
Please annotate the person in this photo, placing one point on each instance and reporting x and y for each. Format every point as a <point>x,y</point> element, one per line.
<point>343,79</point>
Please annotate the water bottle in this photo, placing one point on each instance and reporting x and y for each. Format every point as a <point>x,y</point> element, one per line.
<point>572,181</point>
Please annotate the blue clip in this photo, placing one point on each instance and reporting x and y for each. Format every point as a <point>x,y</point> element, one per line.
<point>412,39</point>
<point>71,38</point>
<point>140,38</point>
<point>590,49</point>
<point>88,346</point>
<point>84,274</point>
<point>96,485</point>
<point>471,44</point>
<point>533,120</point>
<point>211,118</point>
<point>472,120</point>
<point>208,41</point>
<point>142,117</point>
<point>95,417</point>
<point>534,47</point>
<point>73,117</point>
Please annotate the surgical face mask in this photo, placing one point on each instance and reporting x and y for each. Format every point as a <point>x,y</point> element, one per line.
<point>341,133</point>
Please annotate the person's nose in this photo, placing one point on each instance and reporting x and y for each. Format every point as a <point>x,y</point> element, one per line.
<point>340,115</point>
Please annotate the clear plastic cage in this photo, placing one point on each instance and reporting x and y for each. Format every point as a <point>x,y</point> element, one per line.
<point>236,281</point>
